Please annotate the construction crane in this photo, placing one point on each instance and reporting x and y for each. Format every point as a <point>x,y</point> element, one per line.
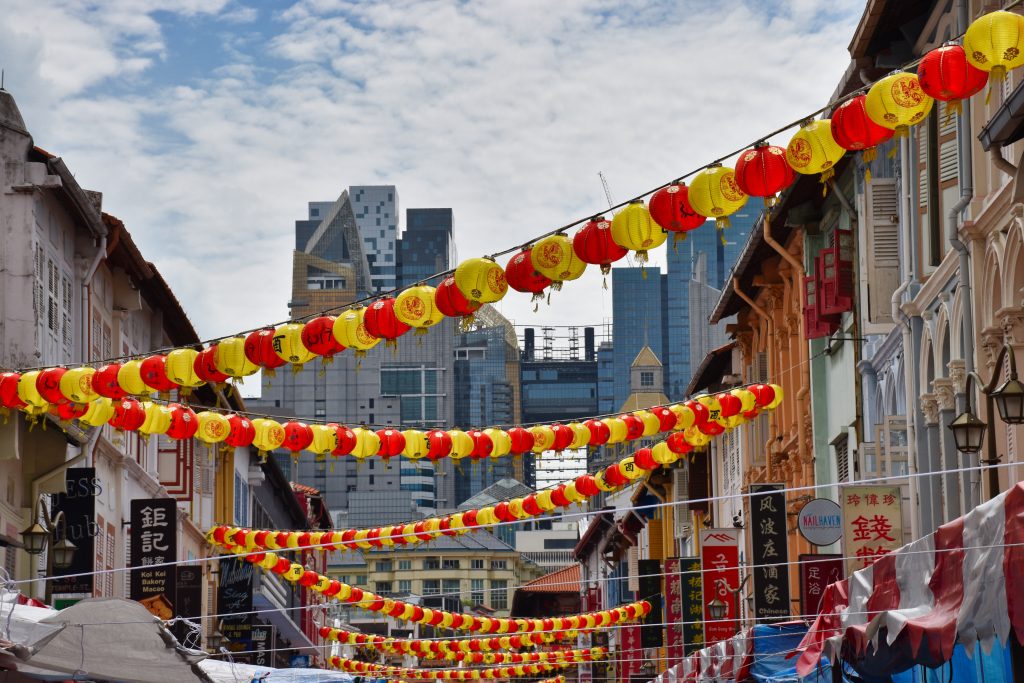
<point>607,190</point>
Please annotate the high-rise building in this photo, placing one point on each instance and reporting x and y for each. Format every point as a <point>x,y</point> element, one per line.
<point>376,213</point>
<point>426,247</point>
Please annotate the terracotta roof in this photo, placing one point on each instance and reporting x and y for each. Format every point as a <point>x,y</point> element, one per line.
<point>564,580</point>
<point>302,488</point>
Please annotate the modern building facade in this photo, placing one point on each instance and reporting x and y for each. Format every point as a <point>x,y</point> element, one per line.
<point>375,208</point>
<point>426,247</point>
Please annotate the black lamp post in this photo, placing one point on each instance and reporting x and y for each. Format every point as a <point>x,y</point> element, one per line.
<point>53,532</point>
<point>1007,398</point>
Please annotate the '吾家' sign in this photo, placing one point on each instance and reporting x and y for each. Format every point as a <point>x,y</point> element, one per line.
<point>154,544</point>
<point>872,523</point>
<point>769,551</point>
<point>719,560</point>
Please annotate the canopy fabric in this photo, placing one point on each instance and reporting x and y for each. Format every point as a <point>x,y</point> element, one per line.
<point>915,604</point>
<point>219,671</point>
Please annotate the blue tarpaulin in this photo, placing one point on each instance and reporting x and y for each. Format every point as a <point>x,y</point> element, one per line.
<point>774,646</point>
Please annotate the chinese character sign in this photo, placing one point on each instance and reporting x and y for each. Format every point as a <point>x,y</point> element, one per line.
<point>816,573</point>
<point>719,558</point>
<point>770,554</point>
<point>651,633</point>
<point>692,604</point>
<point>674,616</point>
<point>872,523</point>
<point>154,542</point>
<point>631,653</point>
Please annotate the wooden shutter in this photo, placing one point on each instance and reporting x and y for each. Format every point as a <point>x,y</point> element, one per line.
<point>949,162</point>
<point>680,492</point>
<point>883,265</point>
<point>633,562</point>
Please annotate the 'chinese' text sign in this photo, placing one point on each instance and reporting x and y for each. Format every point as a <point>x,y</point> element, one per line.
<point>872,523</point>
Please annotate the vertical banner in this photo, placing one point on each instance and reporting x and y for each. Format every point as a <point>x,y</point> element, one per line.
<point>719,560</point>
<point>263,641</point>
<point>816,573</point>
<point>652,632</point>
<point>769,551</point>
<point>78,503</point>
<point>154,541</point>
<point>872,523</point>
<point>631,652</point>
<point>234,600</point>
<point>692,609</point>
<point>674,616</point>
<point>188,602</point>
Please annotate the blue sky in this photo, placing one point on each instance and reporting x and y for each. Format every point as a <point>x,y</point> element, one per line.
<point>208,124</point>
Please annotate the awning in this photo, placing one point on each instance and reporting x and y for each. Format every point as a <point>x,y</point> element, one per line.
<point>915,604</point>
<point>286,628</point>
<point>220,671</point>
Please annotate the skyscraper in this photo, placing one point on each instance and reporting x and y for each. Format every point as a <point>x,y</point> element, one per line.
<point>426,247</point>
<point>376,213</point>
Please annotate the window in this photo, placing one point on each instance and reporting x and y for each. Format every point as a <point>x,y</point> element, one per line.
<point>559,543</point>
<point>476,564</point>
<point>241,500</point>
<point>646,379</point>
<point>499,594</point>
<point>383,565</point>
<point>499,564</point>
<point>382,587</point>
<point>451,587</point>
<point>431,563</point>
<point>476,591</point>
<point>450,564</point>
<point>404,565</point>
<point>404,586</point>
<point>326,282</point>
<point>431,586</point>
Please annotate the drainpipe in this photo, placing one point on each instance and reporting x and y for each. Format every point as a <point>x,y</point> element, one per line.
<point>101,252</point>
<point>1002,164</point>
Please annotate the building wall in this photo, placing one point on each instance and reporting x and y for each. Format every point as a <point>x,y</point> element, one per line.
<point>376,213</point>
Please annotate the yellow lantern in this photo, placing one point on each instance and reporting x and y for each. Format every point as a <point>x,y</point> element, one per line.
<point>288,345</point>
<point>714,193</point>
<point>581,435</point>
<point>630,469</point>
<point>76,385</point>
<point>213,427</point>
<point>684,416</point>
<point>897,102</point>
<point>180,366</point>
<point>325,439</point>
<point>747,399</point>
<point>269,434</point>
<point>778,397</point>
<point>634,229</point>
<point>158,419</point>
<point>554,258</point>
<point>481,280</point>
<point>813,149</point>
<point>602,484</point>
<point>696,438</point>
<point>662,454</point>
<point>515,506</point>
<point>573,495</point>
<point>501,440</point>
<point>994,42</point>
<point>230,359</point>
<point>129,378</point>
<point>462,444</point>
<point>367,443</point>
<point>416,444</point>
<point>350,331</point>
<point>713,406</point>
<point>485,516</point>
<point>617,430</point>
<point>416,308</point>
<point>652,425</point>
<point>28,392</point>
<point>543,438</point>
<point>99,413</point>
<point>544,501</point>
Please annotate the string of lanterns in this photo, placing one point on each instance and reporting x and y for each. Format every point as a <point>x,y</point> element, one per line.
<point>458,649</point>
<point>552,656</point>
<point>614,477</point>
<point>392,672</point>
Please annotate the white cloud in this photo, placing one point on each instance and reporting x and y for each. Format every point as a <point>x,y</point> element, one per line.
<point>504,111</point>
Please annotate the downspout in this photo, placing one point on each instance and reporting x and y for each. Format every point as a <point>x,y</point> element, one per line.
<point>101,252</point>
<point>774,430</point>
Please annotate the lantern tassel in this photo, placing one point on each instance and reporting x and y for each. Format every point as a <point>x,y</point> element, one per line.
<point>420,331</point>
<point>604,283</point>
<point>296,368</point>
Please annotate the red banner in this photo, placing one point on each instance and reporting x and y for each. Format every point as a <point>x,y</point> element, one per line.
<point>631,653</point>
<point>674,616</point>
<point>719,560</point>
<point>817,572</point>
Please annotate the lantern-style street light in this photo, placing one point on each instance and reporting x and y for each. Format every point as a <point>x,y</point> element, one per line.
<point>1007,398</point>
<point>52,531</point>
<point>717,609</point>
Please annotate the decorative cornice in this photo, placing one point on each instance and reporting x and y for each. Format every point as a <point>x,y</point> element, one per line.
<point>945,390</point>
<point>930,408</point>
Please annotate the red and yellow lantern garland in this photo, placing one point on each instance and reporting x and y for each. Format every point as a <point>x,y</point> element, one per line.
<point>454,649</point>
<point>403,673</point>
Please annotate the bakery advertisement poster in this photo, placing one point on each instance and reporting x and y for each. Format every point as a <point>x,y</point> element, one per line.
<point>154,543</point>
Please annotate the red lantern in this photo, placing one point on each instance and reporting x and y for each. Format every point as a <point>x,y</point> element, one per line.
<point>440,444</point>
<point>593,244</point>
<point>644,459</point>
<point>297,435</point>
<point>154,373</point>
<point>380,321</point>
<point>206,366</point>
<point>678,444</point>
<point>318,337</point>
<point>666,418</point>
<point>523,277</point>
<point>946,75</point>
<point>259,349</point>
<point>104,382</point>
<point>586,485</point>
<point>522,440</point>
<point>599,432</point>
<point>634,426</point>
<point>451,302</point>
<point>483,445</point>
<point>763,171</point>
<point>530,505</point>
<point>346,440</point>
<point>731,405</point>
<point>9,391</point>
<point>711,428</point>
<point>558,497</point>
<point>129,415</point>
<point>701,414</point>
<point>670,208</point>
<point>48,385</point>
<point>68,411</point>
<point>563,437</point>
<point>502,512</point>
<point>854,130</point>
<point>763,393</point>
<point>240,432</point>
<point>183,422</point>
<point>392,442</point>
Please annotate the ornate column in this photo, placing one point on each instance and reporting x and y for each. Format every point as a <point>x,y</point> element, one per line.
<point>931,494</point>
<point>945,395</point>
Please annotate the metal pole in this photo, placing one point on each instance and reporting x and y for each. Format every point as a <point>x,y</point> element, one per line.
<point>993,459</point>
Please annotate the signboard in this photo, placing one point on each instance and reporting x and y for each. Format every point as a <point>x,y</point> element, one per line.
<point>693,610</point>
<point>816,573</point>
<point>820,521</point>
<point>263,641</point>
<point>674,616</point>
<point>652,632</point>
<point>154,541</point>
<point>78,503</point>
<point>234,600</point>
<point>769,551</point>
<point>719,560</point>
<point>872,523</point>
<point>188,601</point>
<point>631,652</point>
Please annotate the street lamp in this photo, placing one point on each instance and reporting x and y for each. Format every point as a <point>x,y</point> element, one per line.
<point>1008,399</point>
<point>717,609</point>
<point>53,531</point>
